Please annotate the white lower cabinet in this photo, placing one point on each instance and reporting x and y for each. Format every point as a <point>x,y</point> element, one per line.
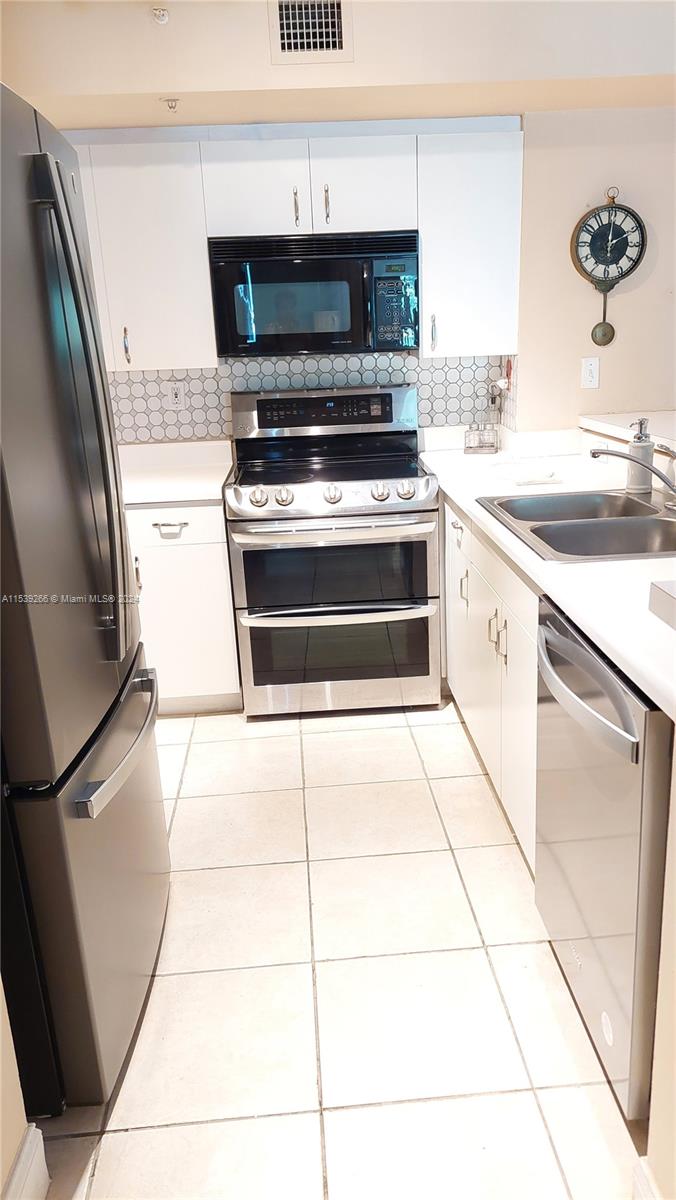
<point>186,609</point>
<point>492,669</point>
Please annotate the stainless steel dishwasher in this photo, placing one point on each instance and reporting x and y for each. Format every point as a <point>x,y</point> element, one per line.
<point>603,770</point>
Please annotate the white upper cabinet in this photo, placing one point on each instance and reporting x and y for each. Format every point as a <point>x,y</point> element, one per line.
<point>154,248</point>
<point>469,196</point>
<point>363,183</point>
<point>89,201</point>
<point>257,188</point>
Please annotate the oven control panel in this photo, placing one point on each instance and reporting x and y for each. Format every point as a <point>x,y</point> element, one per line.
<point>280,412</point>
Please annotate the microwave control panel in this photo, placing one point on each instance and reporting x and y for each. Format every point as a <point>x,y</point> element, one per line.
<point>281,412</point>
<point>395,303</point>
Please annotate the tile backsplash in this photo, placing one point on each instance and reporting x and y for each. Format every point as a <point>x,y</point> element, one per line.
<point>451,391</point>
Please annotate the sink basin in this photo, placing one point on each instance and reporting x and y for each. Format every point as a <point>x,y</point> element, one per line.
<point>575,506</point>
<point>619,537</point>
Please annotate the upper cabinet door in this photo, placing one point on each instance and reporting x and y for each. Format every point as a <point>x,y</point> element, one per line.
<point>253,188</point>
<point>469,193</point>
<point>363,183</point>
<point>154,248</point>
<point>89,201</point>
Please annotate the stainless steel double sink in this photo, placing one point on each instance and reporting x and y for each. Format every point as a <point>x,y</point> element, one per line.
<point>578,526</point>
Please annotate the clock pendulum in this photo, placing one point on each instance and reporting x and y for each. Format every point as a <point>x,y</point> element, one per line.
<point>607,245</point>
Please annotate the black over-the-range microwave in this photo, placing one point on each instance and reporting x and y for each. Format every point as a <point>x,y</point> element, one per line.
<point>329,292</point>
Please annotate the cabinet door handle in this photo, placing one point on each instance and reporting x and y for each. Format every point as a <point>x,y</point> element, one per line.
<point>433,331</point>
<point>296,208</point>
<point>493,638</point>
<point>458,532</point>
<point>177,526</point>
<point>327,204</point>
<point>125,344</point>
<point>464,579</point>
<point>498,642</point>
<point>137,573</point>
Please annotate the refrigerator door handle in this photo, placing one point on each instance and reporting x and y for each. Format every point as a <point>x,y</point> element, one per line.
<point>50,192</point>
<point>621,741</point>
<point>91,805</point>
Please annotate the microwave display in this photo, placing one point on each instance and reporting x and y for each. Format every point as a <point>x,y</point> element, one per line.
<point>315,293</point>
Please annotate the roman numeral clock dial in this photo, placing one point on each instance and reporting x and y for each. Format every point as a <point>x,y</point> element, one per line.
<point>607,245</point>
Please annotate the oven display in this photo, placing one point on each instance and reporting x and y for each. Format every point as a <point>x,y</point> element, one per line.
<point>283,412</point>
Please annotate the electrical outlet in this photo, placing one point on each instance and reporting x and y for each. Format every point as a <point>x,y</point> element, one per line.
<point>590,373</point>
<point>174,395</point>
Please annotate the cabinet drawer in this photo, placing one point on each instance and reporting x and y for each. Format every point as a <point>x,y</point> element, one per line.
<point>178,525</point>
<point>511,590</point>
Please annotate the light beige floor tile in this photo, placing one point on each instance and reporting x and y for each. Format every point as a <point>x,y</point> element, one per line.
<point>171,759</point>
<point>222,1044</point>
<point>502,894</point>
<point>591,1140</point>
<point>172,731</point>
<point>470,812</point>
<point>372,818</point>
<point>243,765</point>
<point>78,1119</point>
<point>227,727</point>
<point>443,714</point>
<point>237,917</point>
<point>413,1026</point>
<point>552,1037</point>
<point>69,1162</point>
<point>381,718</point>
<point>360,756</point>
<point>475,1148</point>
<point>169,806</point>
<point>389,905</point>
<point>223,831</point>
<point>233,1160</point>
<point>446,751</point>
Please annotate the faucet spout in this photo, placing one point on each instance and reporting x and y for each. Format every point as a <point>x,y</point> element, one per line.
<point>601,451</point>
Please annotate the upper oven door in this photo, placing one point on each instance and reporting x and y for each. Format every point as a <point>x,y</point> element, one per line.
<point>346,561</point>
<point>290,305</point>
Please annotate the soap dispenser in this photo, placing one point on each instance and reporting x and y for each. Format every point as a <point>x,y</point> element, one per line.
<point>641,450</point>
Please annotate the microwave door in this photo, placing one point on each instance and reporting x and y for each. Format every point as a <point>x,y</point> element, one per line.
<point>290,306</point>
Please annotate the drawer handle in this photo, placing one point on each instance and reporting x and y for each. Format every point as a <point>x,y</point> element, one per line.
<point>296,208</point>
<point>493,639</point>
<point>176,526</point>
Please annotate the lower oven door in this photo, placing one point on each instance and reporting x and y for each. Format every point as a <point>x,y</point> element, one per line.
<point>341,656</point>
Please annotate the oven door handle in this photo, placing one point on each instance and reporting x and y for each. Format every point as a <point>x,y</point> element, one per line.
<point>307,618</point>
<point>322,537</point>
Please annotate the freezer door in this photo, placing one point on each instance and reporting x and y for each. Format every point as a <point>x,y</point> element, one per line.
<point>64,659</point>
<point>602,795</point>
<point>97,863</point>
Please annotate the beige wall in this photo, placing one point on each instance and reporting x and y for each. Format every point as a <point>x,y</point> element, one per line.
<point>570,160</point>
<point>12,1114</point>
<point>662,1131</point>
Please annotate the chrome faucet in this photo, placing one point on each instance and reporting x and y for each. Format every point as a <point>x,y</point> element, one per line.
<point>599,453</point>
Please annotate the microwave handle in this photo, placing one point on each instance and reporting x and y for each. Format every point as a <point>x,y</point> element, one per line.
<point>367,293</point>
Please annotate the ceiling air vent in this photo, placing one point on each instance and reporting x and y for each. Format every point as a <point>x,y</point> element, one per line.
<point>310,31</point>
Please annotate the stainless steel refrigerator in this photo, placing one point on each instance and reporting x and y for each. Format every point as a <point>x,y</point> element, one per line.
<point>79,703</point>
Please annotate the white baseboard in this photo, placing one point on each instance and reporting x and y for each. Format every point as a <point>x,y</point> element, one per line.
<point>645,1187</point>
<point>29,1177</point>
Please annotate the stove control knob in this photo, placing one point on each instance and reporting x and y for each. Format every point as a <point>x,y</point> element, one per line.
<point>258,497</point>
<point>406,489</point>
<point>332,493</point>
<point>284,496</point>
<point>380,491</point>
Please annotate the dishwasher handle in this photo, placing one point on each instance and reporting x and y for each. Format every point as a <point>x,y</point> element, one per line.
<point>619,740</point>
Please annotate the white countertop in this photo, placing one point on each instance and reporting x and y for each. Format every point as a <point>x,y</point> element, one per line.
<point>661,425</point>
<point>607,600</point>
<point>174,472</point>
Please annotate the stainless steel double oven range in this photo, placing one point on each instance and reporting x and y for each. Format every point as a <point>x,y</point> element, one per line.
<point>334,544</point>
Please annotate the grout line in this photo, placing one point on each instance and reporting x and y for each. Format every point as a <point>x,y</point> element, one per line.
<point>180,779</point>
<point>499,989</point>
<point>322,1135</point>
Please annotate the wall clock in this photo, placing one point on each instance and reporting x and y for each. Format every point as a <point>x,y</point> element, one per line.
<point>607,246</point>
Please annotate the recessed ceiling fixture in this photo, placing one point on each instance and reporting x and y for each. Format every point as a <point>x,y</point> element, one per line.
<point>161,16</point>
<point>310,30</point>
<point>172,102</point>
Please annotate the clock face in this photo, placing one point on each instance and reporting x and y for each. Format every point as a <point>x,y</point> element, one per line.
<point>608,244</point>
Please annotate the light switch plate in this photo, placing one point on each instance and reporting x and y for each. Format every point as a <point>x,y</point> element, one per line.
<point>590,373</point>
<point>174,395</point>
